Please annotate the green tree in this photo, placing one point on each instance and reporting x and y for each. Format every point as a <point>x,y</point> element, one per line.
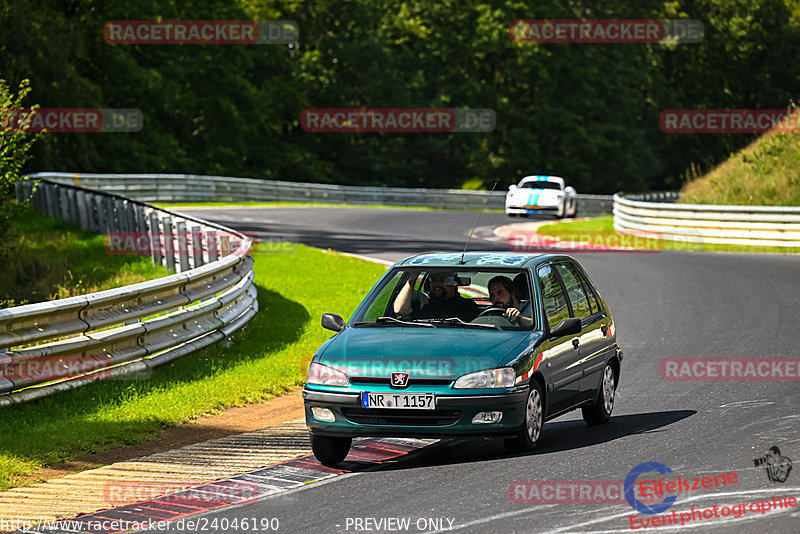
<point>15,149</point>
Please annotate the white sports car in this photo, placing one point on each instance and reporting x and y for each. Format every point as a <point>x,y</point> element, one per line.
<point>541,195</point>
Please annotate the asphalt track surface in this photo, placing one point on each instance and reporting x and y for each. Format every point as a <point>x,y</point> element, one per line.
<point>666,304</point>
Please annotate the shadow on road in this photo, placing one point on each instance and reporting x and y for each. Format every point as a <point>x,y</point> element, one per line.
<point>556,437</point>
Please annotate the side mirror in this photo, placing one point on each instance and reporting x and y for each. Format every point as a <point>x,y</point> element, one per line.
<point>512,187</point>
<point>566,327</point>
<point>331,321</point>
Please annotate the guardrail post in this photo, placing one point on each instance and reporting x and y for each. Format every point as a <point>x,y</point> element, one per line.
<point>122,216</point>
<point>182,245</point>
<point>140,222</point>
<point>91,214</point>
<point>197,246</point>
<point>130,215</point>
<point>51,196</point>
<point>72,208</point>
<point>155,238</point>
<point>169,242</point>
<point>100,213</point>
<point>38,198</point>
<point>63,203</point>
<point>108,211</point>
<point>224,245</point>
<point>82,205</point>
<point>211,239</point>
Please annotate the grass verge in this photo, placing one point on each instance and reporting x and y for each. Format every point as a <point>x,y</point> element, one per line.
<point>44,259</point>
<point>270,356</point>
<point>601,231</point>
<point>765,173</point>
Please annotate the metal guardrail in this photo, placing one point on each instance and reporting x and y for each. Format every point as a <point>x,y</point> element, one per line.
<point>704,223</point>
<point>57,345</point>
<point>192,188</point>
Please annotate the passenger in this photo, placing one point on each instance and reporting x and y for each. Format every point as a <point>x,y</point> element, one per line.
<point>504,295</point>
<point>445,302</point>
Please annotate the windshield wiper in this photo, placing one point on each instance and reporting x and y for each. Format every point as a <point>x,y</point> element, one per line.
<point>456,320</point>
<point>392,320</point>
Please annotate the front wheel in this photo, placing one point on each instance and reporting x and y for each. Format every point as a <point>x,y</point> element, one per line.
<point>574,209</point>
<point>531,430</point>
<point>329,450</point>
<point>600,411</point>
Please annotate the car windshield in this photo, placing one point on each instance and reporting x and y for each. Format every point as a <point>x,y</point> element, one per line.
<point>491,299</point>
<point>540,185</point>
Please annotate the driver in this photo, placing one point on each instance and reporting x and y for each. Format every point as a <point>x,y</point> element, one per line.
<point>445,302</point>
<point>504,295</point>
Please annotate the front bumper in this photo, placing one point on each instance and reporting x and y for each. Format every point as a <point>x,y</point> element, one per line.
<point>523,210</point>
<point>452,417</point>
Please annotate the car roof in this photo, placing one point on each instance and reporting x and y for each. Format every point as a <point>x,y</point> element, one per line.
<point>542,178</point>
<point>479,259</point>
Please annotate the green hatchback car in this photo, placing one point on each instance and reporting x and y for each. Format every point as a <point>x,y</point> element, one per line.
<point>485,344</point>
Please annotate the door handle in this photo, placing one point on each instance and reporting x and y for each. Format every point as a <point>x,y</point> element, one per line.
<point>575,343</point>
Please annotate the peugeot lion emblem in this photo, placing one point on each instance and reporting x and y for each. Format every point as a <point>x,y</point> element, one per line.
<point>400,380</point>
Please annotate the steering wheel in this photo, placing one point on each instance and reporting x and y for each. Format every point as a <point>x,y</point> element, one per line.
<point>492,311</point>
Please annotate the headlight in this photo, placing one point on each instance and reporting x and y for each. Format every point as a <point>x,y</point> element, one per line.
<point>490,378</point>
<point>326,376</point>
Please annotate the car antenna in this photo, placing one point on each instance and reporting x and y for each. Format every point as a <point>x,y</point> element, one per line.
<point>461,261</point>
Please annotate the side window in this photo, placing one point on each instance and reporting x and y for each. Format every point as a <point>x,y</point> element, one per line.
<point>577,296</point>
<point>593,303</point>
<point>555,303</point>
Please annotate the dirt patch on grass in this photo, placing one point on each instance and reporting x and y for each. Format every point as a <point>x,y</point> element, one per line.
<point>286,407</point>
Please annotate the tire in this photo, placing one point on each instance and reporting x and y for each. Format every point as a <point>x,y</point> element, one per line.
<point>330,451</point>
<point>531,431</point>
<point>600,411</point>
<point>575,209</point>
<point>511,214</point>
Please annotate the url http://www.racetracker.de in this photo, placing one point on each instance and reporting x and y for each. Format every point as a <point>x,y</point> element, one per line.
<point>198,524</point>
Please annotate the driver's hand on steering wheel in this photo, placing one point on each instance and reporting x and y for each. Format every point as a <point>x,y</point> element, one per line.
<point>512,314</point>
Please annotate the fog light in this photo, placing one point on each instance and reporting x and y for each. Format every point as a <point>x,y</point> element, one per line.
<point>487,417</point>
<point>323,414</point>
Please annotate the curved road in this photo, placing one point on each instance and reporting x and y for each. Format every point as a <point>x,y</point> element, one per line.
<point>665,304</point>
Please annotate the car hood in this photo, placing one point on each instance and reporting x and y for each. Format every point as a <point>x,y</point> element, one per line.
<point>423,352</point>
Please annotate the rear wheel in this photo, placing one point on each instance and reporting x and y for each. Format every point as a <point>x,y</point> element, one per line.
<point>329,450</point>
<point>531,429</point>
<point>600,411</point>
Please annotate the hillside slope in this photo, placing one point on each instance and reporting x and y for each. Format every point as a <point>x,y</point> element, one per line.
<point>765,173</point>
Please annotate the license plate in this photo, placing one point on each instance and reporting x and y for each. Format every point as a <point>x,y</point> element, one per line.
<point>403,401</point>
<point>532,207</point>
